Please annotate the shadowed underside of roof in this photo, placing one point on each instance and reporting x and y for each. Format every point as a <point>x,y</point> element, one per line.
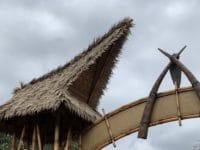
<point>78,84</point>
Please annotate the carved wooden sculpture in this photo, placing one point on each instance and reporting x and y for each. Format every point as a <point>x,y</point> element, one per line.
<point>175,67</point>
<point>193,80</point>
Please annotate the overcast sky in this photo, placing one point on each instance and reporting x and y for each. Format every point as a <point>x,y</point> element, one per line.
<point>37,36</point>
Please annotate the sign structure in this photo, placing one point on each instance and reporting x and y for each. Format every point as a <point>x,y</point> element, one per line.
<point>59,109</point>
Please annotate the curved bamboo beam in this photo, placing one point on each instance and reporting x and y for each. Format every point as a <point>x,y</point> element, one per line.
<point>126,119</point>
<point>146,117</point>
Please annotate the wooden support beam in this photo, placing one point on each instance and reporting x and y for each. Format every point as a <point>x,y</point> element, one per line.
<point>68,141</point>
<point>34,139</point>
<point>80,142</point>
<point>146,117</point>
<point>100,69</point>
<point>57,133</point>
<point>21,139</point>
<point>109,128</point>
<point>178,104</point>
<point>13,142</point>
<point>39,137</point>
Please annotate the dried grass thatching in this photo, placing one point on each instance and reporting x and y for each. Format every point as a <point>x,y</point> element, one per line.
<point>78,85</point>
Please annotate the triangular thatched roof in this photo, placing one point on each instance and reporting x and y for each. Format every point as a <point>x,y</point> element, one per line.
<point>78,84</point>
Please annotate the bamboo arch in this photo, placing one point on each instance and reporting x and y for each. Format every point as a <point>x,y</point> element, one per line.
<point>126,119</point>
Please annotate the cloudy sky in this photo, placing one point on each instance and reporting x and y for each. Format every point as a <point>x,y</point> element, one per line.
<point>37,36</point>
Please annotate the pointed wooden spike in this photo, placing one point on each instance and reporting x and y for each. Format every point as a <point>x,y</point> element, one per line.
<point>165,53</point>
<point>179,53</point>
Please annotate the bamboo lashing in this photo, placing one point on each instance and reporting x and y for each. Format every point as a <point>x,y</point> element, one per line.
<point>108,128</point>
<point>21,139</point>
<point>39,137</point>
<point>178,104</point>
<point>34,139</point>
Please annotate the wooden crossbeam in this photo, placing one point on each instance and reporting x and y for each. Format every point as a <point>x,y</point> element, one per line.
<point>178,104</point>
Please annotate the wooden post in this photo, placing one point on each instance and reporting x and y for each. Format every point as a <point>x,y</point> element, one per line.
<point>80,142</point>
<point>178,104</point>
<point>34,139</point>
<point>21,139</point>
<point>13,142</point>
<point>39,138</point>
<point>67,145</point>
<point>57,133</point>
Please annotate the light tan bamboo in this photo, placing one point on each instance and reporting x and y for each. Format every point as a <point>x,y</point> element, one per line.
<point>68,140</point>
<point>34,139</point>
<point>21,139</point>
<point>13,142</point>
<point>56,135</point>
<point>39,137</point>
<point>178,104</point>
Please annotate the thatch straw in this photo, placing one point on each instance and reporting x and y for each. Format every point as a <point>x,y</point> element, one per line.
<point>78,84</point>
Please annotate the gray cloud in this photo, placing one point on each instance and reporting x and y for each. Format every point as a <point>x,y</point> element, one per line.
<point>37,36</point>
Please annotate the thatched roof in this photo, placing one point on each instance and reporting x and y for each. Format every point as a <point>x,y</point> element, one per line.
<point>78,84</point>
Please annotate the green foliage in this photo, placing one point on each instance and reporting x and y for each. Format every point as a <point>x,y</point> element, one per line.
<point>5,141</point>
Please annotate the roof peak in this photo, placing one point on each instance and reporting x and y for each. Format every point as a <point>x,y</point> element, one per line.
<point>125,22</point>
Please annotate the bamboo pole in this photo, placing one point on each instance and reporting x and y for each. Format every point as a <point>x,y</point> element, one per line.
<point>34,139</point>
<point>109,129</point>
<point>39,137</point>
<point>178,104</point>
<point>56,135</point>
<point>13,142</point>
<point>68,140</point>
<point>80,142</point>
<point>21,139</point>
